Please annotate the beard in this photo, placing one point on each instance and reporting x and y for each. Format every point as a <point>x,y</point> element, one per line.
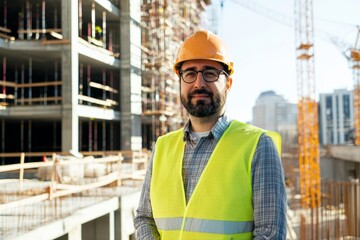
<point>203,108</point>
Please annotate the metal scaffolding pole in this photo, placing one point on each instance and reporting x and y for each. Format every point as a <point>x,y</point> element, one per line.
<point>81,81</point>
<point>95,148</point>
<point>5,13</point>
<point>21,22</point>
<point>103,135</point>
<point>43,22</point>
<point>28,20</point>
<point>3,140</point>
<point>104,83</point>
<point>93,20</point>
<point>104,30</point>
<point>16,80</point>
<point>22,82</point>
<point>80,18</point>
<point>37,20</point>
<point>30,80</point>
<point>88,81</point>
<point>4,78</point>
<point>90,136</point>
<point>56,78</point>
<point>29,135</point>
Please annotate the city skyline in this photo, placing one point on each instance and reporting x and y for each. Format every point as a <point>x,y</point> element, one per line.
<point>263,49</point>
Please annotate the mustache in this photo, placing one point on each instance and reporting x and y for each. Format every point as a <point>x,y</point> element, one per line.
<point>200,91</point>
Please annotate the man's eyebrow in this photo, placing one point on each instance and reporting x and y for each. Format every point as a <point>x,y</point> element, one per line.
<point>195,68</point>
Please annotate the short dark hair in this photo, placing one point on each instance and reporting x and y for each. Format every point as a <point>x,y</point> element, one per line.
<point>225,67</point>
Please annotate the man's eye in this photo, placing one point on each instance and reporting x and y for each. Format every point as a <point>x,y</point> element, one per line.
<point>190,74</point>
<point>210,73</point>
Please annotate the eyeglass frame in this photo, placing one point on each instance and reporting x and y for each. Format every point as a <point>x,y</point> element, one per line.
<point>220,71</point>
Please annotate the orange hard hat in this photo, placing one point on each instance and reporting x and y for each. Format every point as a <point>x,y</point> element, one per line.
<point>204,45</point>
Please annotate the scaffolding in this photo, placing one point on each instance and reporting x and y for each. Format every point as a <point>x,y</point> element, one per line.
<point>32,52</point>
<point>37,76</point>
<point>165,24</point>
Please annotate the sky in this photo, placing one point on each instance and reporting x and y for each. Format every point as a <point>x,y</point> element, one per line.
<point>262,46</point>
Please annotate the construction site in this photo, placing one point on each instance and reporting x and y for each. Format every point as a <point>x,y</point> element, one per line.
<point>88,86</point>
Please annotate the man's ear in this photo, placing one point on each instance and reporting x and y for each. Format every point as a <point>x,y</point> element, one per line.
<point>228,84</point>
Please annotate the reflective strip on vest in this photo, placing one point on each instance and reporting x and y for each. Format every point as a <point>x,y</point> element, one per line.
<point>205,225</point>
<point>168,224</point>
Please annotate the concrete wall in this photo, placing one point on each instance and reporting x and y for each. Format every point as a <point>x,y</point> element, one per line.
<point>339,170</point>
<point>341,163</point>
<point>110,219</point>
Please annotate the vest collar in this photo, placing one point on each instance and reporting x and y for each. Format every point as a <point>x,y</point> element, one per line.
<point>217,131</point>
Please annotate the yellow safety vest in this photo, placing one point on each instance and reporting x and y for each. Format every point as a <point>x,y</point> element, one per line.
<point>213,211</point>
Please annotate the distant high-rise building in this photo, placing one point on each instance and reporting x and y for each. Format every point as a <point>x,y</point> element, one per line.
<point>273,112</point>
<point>336,117</point>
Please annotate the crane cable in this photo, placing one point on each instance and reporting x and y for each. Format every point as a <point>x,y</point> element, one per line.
<point>288,21</point>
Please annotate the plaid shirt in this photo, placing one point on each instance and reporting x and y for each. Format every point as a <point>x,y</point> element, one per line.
<point>269,194</point>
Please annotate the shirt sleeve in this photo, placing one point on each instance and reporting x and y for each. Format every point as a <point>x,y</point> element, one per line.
<point>144,222</point>
<point>269,193</point>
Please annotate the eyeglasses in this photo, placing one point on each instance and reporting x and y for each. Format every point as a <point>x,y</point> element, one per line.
<point>209,75</point>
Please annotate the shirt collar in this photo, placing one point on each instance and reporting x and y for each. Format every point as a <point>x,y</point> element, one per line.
<point>217,131</point>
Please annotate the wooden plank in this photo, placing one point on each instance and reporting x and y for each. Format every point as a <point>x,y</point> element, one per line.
<point>25,201</point>
<point>103,87</point>
<point>55,42</point>
<point>107,102</point>
<point>41,99</point>
<point>13,167</point>
<point>39,84</point>
<point>70,190</point>
<point>100,49</point>
<point>25,85</point>
<point>8,96</point>
<point>2,35</point>
<point>3,29</point>
<point>118,183</point>
<point>21,174</point>
<point>39,30</point>
<point>31,154</point>
<point>40,154</point>
<point>96,42</point>
<point>7,83</point>
<point>52,188</point>
<point>106,180</point>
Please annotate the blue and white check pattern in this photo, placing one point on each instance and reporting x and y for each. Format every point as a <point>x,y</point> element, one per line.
<point>269,194</point>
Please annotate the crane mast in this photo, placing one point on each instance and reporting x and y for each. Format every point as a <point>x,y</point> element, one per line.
<point>308,137</point>
<point>355,64</point>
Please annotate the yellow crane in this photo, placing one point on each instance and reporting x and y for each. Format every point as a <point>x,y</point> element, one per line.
<point>307,106</point>
<point>355,64</point>
<point>308,137</point>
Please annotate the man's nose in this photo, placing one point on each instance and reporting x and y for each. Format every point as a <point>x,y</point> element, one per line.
<point>199,82</point>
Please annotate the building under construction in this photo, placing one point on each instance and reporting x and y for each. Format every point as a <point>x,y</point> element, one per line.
<point>96,77</point>
<point>85,77</point>
<point>90,75</point>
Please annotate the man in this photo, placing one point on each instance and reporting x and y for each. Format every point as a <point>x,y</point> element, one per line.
<point>215,178</point>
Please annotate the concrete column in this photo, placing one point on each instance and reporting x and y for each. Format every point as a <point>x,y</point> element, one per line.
<point>130,76</point>
<point>75,233</point>
<point>124,216</point>
<point>100,228</point>
<point>70,72</point>
<point>111,217</point>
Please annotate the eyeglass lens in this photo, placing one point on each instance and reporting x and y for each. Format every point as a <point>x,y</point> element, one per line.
<point>209,75</point>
